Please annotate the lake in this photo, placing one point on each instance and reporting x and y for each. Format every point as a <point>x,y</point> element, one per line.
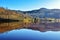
<point>47,31</point>
<point>28,34</point>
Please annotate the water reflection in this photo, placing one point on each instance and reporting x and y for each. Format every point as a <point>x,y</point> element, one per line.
<point>27,34</point>
<point>43,27</point>
<point>29,31</point>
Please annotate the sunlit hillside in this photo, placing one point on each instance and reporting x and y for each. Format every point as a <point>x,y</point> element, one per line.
<point>17,20</point>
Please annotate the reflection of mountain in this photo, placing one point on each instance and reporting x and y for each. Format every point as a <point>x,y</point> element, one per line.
<point>45,27</point>
<point>40,27</point>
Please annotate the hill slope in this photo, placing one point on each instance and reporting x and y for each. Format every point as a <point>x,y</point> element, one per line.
<point>43,12</point>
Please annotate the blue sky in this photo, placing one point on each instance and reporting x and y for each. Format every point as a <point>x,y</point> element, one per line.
<point>26,5</point>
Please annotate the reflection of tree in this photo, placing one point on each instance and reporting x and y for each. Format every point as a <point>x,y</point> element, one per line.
<point>45,20</point>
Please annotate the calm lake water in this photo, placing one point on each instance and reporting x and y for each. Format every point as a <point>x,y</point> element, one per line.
<point>28,34</point>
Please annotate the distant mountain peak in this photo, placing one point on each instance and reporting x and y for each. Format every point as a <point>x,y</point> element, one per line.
<point>43,8</point>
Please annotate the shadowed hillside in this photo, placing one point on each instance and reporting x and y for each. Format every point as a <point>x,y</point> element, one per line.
<point>7,20</point>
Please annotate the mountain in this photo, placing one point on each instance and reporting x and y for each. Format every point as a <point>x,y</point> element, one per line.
<point>41,13</point>
<point>44,13</point>
<point>10,14</point>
